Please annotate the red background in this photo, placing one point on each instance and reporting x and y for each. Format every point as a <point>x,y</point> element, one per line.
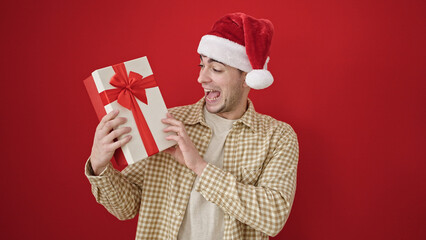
<point>348,79</point>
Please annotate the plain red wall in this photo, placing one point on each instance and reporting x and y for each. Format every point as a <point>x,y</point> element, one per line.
<point>350,79</point>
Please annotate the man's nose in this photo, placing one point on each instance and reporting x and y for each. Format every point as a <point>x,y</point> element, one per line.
<point>204,76</point>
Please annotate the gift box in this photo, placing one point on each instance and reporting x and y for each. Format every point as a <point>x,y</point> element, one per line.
<point>131,88</point>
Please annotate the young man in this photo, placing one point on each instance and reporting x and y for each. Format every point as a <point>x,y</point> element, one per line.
<point>232,174</point>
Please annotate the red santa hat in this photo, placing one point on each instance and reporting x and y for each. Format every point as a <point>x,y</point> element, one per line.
<point>243,42</point>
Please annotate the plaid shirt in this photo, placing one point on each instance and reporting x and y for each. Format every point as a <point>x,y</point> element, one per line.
<point>255,188</point>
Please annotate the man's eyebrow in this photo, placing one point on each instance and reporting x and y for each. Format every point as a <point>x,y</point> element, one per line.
<point>210,60</point>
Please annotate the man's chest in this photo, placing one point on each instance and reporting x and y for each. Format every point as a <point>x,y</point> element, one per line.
<point>244,151</point>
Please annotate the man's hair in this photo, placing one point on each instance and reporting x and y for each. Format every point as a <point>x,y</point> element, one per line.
<point>214,60</point>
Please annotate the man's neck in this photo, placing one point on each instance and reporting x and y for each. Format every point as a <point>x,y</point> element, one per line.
<point>237,113</point>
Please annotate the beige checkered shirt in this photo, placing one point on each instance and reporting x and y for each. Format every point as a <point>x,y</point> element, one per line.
<point>255,188</point>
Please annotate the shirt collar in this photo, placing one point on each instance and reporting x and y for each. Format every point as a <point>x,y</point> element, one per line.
<point>197,116</point>
<point>248,118</point>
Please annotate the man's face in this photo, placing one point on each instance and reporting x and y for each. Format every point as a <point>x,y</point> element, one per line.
<point>224,87</point>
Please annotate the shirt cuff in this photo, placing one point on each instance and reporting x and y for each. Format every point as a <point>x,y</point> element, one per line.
<point>101,179</point>
<point>210,180</point>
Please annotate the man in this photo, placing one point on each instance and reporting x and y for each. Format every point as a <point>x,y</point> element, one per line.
<point>232,174</point>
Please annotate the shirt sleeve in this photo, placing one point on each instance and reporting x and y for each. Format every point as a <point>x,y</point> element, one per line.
<point>114,191</point>
<point>266,205</point>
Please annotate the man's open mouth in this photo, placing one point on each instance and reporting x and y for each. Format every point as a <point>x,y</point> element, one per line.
<point>212,95</point>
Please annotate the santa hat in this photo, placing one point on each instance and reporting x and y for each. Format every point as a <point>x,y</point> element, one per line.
<point>243,42</point>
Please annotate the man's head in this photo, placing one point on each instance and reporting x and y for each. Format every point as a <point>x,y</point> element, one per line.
<point>234,56</point>
<point>243,42</point>
<point>225,89</point>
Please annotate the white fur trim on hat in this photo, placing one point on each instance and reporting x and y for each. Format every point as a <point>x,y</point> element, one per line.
<point>259,79</point>
<point>225,51</point>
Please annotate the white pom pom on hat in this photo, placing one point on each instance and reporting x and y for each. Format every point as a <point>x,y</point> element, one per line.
<point>259,79</point>
<point>243,42</point>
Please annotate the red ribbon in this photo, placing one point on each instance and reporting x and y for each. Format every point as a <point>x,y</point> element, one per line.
<point>128,88</point>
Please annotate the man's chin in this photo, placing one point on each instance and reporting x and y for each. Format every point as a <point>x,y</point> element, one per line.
<point>214,108</point>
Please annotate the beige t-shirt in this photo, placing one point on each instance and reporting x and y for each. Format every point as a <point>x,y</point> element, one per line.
<point>203,220</point>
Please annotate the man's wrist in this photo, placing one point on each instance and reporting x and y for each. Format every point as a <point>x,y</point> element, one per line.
<point>97,170</point>
<point>199,168</point>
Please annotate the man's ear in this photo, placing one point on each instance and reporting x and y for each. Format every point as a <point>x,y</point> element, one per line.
<point>243,76</point>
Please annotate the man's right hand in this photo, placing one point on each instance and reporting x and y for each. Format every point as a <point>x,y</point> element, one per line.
<point>104,145</point>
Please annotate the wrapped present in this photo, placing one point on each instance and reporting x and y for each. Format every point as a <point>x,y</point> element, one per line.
<point>131,88</point>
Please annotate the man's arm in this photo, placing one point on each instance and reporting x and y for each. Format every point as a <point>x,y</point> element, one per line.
<point>265,206</point>
<point>110,187</point>
<point>115,192</point>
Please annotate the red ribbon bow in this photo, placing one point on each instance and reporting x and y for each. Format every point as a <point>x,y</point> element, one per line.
<point>128,88</point>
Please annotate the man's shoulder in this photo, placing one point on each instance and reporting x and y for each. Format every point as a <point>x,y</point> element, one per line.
<point>181,110</point>
<point>186,113</point>
<point>268,123</point>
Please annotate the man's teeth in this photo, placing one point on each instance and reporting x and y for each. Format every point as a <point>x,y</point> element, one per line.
<point>211,98</point>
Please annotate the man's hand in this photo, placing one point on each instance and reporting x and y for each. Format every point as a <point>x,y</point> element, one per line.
<point>185,152</point>
<point>104,145</point>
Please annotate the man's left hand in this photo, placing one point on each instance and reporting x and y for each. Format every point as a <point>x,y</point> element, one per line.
<point>185,151</point>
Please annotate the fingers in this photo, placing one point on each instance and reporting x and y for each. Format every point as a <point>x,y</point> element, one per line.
<point>170,150</point>
<point>108,117</point>
<point>175,125</point>
<point>112,124</point>
<point>117,133</point>
<point>178,130</point>
<point>113,146</point>
<point>172,121</point>
<point>181,138</point>
<point>176,138</point>
<point>103,144</point>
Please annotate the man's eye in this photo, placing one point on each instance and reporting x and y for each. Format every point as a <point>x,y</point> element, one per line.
<point>217,70</point>
<point>201,65</point>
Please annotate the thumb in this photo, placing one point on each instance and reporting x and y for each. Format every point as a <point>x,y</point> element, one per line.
<point>170,150</point>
